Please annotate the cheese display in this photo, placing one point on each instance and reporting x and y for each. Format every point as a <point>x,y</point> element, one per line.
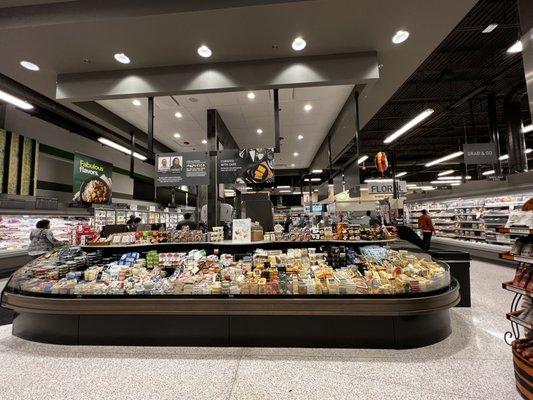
<point>296,272</point>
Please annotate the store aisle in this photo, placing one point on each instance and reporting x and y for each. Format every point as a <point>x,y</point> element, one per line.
<point>473,363</point>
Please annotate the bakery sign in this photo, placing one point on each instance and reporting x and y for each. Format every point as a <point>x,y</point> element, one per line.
<point>480,153</point>
<point>386,186</point>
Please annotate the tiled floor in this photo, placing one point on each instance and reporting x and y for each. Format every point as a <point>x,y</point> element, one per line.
<point>473,363</point>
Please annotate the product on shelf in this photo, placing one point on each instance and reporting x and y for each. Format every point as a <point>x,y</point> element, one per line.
<point>264,272</point>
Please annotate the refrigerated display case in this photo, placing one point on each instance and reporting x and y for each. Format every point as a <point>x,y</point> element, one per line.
<point>272,294</point>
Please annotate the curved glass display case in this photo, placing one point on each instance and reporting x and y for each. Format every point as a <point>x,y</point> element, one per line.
<point>317,293</point>
<point>327,271</point>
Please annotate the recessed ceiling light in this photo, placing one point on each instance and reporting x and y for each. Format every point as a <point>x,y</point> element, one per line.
<point>300,137</point>
<point>178,115</point>
<point>292,165</point>
<point>308,107</point>
<point>259,131</point>
<point>136,102</point>
<point>399,175</point>
<point>400,37</point>
<point>122,58</point>
<point>516,47</point>
<point>204,141</point>
<point>204,51</point>
<point>312,179</point>
<point>316,171</point>
<point>15,100</point>
<point>299,44</point>
<point>489,28</point>
<point>251,95</point>
<point>29,65</point>
<point>177,135</point>
<point>295,154</point>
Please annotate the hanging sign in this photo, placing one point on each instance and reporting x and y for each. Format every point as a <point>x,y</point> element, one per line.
<point>177,169</point>
<point>91,180</point>
<point>381,161</point>
<point>252,166</point>
<point>351,176</point>
<point>338,186</point>
<point>480,153</point>
<point>386,187</point>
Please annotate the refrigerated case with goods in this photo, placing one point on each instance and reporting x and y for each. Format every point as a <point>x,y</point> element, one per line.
<point>471,222</point>
<point>235,294</point>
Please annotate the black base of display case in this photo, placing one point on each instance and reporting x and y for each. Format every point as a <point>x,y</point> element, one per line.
<point>235,330</point>
<point>394,322</point>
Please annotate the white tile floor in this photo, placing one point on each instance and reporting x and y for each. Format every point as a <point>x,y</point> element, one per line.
<point>473,363</point>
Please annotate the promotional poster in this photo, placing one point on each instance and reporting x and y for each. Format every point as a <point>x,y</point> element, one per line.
<point>91,180</point>
<point>254,166</point>
<point>177,169</point>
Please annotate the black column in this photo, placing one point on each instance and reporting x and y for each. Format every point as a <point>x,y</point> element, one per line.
<point>150,128</point>
<point>516,145</point>
<point>493,129</point>
<point>212,190</point>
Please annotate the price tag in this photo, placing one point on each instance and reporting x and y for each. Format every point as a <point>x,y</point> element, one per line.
<point>519,231</point>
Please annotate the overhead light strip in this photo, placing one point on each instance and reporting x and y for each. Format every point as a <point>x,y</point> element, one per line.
<point>445,158</point>
<point>15,101</point>
<point>121,148</point>
<point>411,124</point>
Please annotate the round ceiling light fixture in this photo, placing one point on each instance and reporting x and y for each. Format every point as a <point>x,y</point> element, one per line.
<point>308,107</point>
<point>204,51</point>
<point>295,154</point>
<point>259,131</point>
<point>29,65</point>
<point>177,135</point>
<point>292,165</point>
<point>204,141</point>
<point>136,102</point>
<point>122,58</point>
<point>178,115</point>
<point>300,137</point>
<point>299,44</point>
<point>400,37</point>
<point>251,95</point>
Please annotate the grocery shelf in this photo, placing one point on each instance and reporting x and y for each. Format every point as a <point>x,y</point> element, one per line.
<point>516,231</point>
<point>513,317</point>
<point>509,286</point>
<point>512,257</point>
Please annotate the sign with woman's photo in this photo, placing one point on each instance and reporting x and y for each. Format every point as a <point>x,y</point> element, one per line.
<point>253,166</point>
<point>176,169</point>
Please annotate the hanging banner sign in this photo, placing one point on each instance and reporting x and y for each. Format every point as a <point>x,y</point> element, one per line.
<point>252,166</point>
<point>91,180</point>
<point>177,169</point>
<point>480,153</point>
<point>351,176</point>
<point>338,186</point>
<point>386,187</point>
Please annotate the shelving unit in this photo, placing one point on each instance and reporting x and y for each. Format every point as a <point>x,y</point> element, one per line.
<point>481,217</point>
<point>524,382</point>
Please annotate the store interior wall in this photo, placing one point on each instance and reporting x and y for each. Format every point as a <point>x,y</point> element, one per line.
<point>55,172</point>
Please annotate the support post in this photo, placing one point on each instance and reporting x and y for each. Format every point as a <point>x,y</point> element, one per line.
<point>516,145</point>
<point>151,128</point>
<point>493,129</point>
<point>132,159</point>
<point>212,190</point>
<point>277,138</point>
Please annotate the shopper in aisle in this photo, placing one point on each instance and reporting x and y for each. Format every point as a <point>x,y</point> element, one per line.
<point>365,219</point>
<point>187,221</point>
<point>42,239</point>
<point>287,224</point>
<point>425,224</point>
